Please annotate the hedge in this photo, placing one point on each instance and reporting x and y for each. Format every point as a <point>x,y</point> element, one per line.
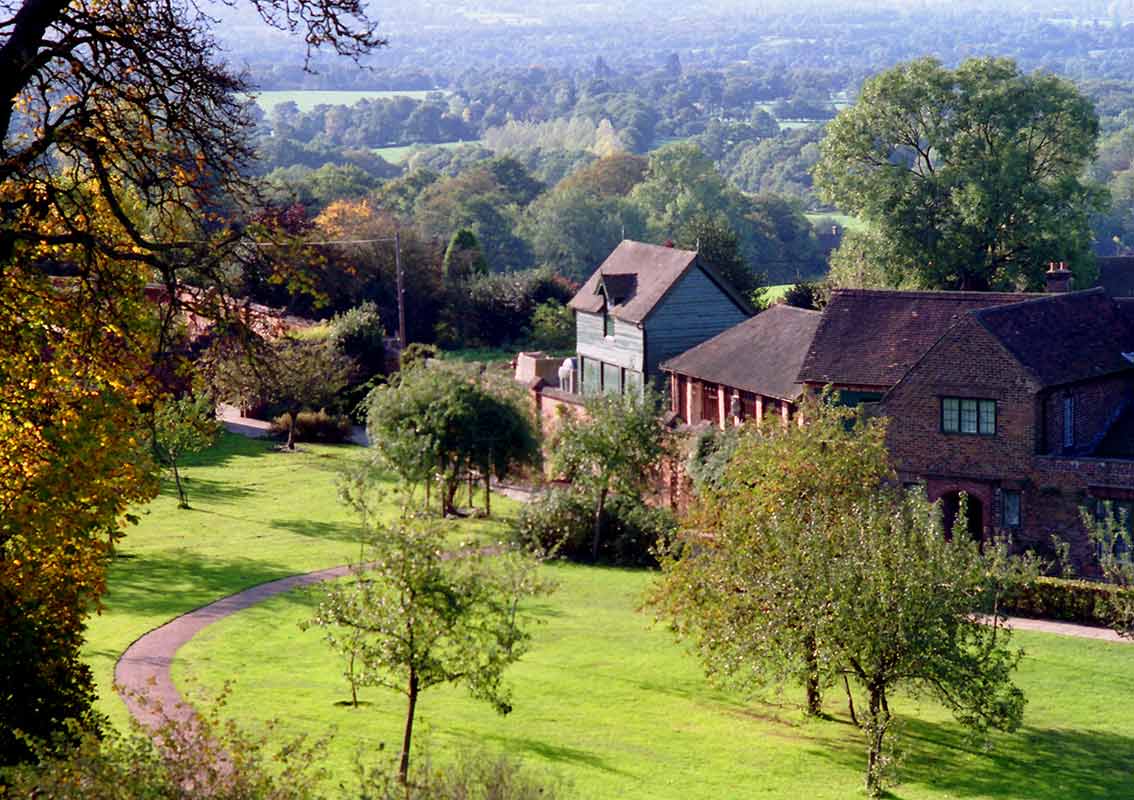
<point>1084,602</point>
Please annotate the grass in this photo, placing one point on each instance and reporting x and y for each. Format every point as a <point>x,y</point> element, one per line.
<point>396,154</point>
<point>608,701</point>
<point>258,514</point>
<point>604,698</point>
<point>845,220</point>
<point>307,99</point>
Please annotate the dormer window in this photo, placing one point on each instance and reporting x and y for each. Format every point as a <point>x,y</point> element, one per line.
<point>607,323</point>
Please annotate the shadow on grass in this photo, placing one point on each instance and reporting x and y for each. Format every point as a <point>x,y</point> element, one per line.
<point>315,529</point>
<point>558,754</point>
<point>1036,763</point>
<point>168,585</point>
<point>227,447</point>
<point>205,489</point>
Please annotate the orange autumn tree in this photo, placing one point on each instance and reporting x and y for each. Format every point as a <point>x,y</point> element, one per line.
<point>123,146</point>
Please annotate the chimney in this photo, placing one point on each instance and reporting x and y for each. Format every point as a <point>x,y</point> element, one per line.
<point>1058,278</point>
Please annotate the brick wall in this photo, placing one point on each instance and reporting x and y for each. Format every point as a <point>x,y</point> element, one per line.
<point>1095,407</point>
<point>967,362</point>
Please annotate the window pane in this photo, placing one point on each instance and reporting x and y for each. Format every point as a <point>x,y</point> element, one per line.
<point>968,416</point>
<point>950,414</point>
<point>1069,421</point>
<point>1011,509</point>
<point>632,381</point>
<point>988,416</point>
<point>592,377</point>
<point>611,379</point>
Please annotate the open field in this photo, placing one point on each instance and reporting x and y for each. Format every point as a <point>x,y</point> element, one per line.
<point>257,515</point>
<point>605,698</point>
<point>846,220</point>
<point>307,99</point>
<point>396,154</point>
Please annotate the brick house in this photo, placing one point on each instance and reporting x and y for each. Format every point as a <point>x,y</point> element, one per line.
<point>1024,402</point>
<point>643,305</point>
<point>868,339</point>
<point>747,372</point>
<point>1027,407</point>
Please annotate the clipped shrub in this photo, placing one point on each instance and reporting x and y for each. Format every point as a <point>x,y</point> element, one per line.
<point>358,334</point>
<point>558,524</point>
<point>314,426</point>
<point>1083,602</point>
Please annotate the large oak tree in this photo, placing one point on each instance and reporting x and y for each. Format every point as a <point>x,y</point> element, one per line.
<point>968,178</point>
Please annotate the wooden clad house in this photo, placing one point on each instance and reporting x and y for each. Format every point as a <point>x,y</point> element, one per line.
<point>747,372</point>
<point>643,305</point>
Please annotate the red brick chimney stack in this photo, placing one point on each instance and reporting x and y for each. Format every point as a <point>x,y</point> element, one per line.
<point>1058,278</point>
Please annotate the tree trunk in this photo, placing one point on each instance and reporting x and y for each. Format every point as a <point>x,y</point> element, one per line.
<point>403,764</point>
<point>292,416</point>
<point>850,700</point>
<point>488,494</point>
<point>182,500</point>
<point>814,695</point>
<point>876,732</point>
<point>598,524</point>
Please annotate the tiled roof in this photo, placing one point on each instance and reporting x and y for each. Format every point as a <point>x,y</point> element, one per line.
<point>871,337</point>
<point>1063,338</point>
<point>1116,275</point>
<point>648,272</point>
<point>762,354</point>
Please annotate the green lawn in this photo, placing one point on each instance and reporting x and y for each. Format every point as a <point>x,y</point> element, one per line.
<point>307,99</point>
<point>257,515</point>
<point>846,220</point>
<point>610,702</point>
<point>604,698</point>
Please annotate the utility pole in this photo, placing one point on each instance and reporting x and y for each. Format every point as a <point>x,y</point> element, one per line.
<point>401,287</point>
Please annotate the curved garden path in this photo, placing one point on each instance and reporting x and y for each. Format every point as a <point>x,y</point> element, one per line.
<point>142,673</point>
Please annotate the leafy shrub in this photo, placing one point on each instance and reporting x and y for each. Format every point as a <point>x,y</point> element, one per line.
<point>709,454</point>
<point>474,776</point>
<point>1084,602</point>
<point>314,426</point>
<point>553,326</point>
<point>559,524</point>
<point>491,310</point>
<point>198,759</point>
<point>358,334</point>
<point>807,294</point>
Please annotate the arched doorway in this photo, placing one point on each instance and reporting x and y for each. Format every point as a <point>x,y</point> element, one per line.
<point>951,505</point>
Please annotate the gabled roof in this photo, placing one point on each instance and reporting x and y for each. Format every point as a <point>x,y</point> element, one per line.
<point>648,272</point>
<point>871,337</point>
<point>761,355</point>
<point>1064,338</point>
<point>1116,275</point>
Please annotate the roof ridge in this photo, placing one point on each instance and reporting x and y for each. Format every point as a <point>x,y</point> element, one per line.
<point>1095,291</point>
<point>934,294</point>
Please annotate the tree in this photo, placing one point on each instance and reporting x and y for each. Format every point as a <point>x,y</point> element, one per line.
<point>437,421</point>
<point>428,616</point>
<point>972,177</point>
<point>121,166</point>
<point>611,449</point>
<point>305,374</point>
<point>183,425</point>
<point>463,257</point>
<point>818,567</point>
<point>718,247</point>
